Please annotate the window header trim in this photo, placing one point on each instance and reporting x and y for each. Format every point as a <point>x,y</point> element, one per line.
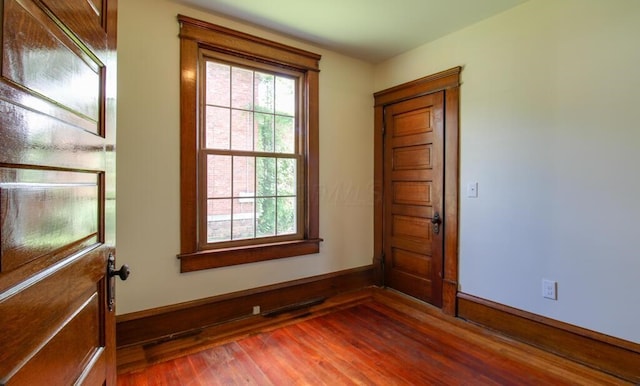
<point>216,37</point>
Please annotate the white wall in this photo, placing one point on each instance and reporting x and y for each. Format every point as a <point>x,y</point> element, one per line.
<point>148,165</point>
<point>550,129</point>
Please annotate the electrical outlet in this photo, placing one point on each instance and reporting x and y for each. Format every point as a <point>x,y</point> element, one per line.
<point>256,310</point>
<point>550,289</point>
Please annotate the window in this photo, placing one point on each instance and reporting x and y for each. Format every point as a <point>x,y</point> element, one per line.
<point>249,148</point>
<point>252,154</point>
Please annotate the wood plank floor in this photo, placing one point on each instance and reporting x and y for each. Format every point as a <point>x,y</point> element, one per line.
<point>379,341</point>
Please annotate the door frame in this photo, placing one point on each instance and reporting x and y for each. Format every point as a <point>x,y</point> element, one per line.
<point>447,81</point>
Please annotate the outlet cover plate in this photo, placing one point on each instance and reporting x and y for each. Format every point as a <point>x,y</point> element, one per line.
<point>550,289</point>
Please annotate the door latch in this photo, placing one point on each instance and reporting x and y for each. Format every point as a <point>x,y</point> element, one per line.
<point>436,221</point>
<point>123,273</point>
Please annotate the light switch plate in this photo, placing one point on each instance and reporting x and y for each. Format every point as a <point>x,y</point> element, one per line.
<point>472,190</point>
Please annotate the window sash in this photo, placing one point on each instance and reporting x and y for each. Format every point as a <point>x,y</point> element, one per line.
<point>299,195</point>
<point>205,152</point>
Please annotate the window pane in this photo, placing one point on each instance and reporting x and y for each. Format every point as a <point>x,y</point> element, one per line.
<point>264,132</point>
<point>244,177</point>
<point>266,221</point>
<point>264,92</point>
<point>266,176</point>
<point>286,177</point>
<point>243,219</point>
<point>218,76</point>
<point>285,135</point>
<point>241,130</point>
<point>285,96</point>
<point>217,123</point>
<point>286,215</point>
<point>242,89</point>
<point>218,176</point>
<point>218,220</point>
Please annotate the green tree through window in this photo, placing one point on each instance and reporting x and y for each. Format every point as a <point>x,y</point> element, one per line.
<point>252,122</point>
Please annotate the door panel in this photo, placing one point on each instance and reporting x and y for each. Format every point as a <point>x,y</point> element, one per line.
<point>413,180</point>
<point>60,212</point>
<point>57,191</point>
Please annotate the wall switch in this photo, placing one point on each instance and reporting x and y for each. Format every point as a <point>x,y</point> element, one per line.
<point>472,190</point>
<point>549,289</point>
<point>256,310</point>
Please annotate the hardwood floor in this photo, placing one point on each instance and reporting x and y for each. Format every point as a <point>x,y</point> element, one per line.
<point>379,340</point>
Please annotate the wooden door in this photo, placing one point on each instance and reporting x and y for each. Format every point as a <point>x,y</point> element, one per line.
<point>57,191</point>
<point>413,196</point>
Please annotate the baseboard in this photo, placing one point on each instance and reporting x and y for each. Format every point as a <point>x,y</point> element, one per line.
<point>164,323</point>
<point>611,355</point>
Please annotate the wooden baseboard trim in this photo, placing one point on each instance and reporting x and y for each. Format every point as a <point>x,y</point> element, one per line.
<point>163,323</point>
<point>611,355</point>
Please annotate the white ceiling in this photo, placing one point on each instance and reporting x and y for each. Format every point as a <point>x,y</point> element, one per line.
<point>373,30</point>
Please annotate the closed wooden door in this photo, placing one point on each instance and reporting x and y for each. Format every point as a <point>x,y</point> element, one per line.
<point>57,191</point>
<point>413,196</point>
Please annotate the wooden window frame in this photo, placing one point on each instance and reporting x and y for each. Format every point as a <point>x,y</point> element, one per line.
<point>196,36</point>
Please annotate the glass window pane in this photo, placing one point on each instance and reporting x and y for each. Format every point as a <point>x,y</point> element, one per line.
<point>250,111</point>
<point>244,177</point>
<point>286,177</point>
<point>218,77</point>
<point>218,176</point>
<point>242,89</point>
<point>241,130</point>
<point>264,92</point>
<point>243,224</point>
<point>217,123</point>
<point>286,215</point>
<point>218,220</point>
<point>266,176</point>
<point>266,217</point>
<point>285,135</point>
<point>285,96</point>
<point>263,124</point>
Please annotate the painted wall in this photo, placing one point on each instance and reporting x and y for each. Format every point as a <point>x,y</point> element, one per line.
<point>148,165</point>
<point>550,130</point>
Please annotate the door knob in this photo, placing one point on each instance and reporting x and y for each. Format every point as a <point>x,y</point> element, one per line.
<point>436,221</point>
<point>123,273</point>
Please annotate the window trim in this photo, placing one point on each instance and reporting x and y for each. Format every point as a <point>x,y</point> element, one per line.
<point>196,35</point>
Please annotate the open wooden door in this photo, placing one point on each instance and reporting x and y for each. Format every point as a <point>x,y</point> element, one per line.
<point>57,191</point>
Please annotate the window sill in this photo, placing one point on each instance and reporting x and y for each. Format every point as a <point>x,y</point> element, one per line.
<point>216,258</point>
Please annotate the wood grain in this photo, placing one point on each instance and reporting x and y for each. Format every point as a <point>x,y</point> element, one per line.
<point>40,57</point>
<point>447,82</point>
<point>414,141</point>
<point>381,339</point>
<point>57,191</point>
<point>38,220</point>
<point>224,38</point>
<point>191,318</point>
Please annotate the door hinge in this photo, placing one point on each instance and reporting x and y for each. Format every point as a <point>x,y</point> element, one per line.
<point>382,268</point>
<point>384,121</point>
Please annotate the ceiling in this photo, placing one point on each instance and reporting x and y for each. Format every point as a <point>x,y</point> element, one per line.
<point>372,30</point>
